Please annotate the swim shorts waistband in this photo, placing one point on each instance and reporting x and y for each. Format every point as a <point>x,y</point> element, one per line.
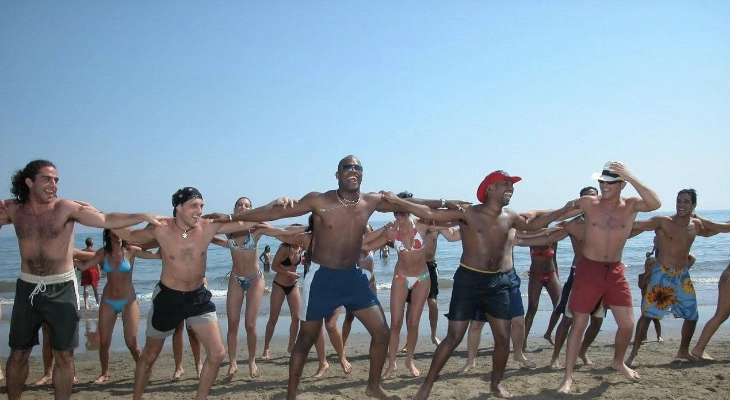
<point>167,288</point>
<point>593,263</point>
<point>481,271</point>
<point>48,279</point>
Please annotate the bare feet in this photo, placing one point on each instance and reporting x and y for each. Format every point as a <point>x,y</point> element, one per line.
<point>266,355</point>
<point>586,361</point>
<point>469,365</point>
<point>500,392</point>
<point>177,374</point>
<point>629,373</point>
<point>659,339</point>
<point>565,386</point>
<point>703,356</point>
<point>435,340</point>
<point>321,369</point>
<point>102,378</point>
<point>346,366</point>
<point>253,369</point>
<point>411,367</point>
<point>525,362</point>
<point>687,356</point>
<point>549,339</point>
<point>231,371</point>
<point>43,380</point>
<point>378,392</point>
<point>389,372</point>
<point>555,363</point>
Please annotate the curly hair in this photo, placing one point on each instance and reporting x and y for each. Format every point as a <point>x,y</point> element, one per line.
<point>18,188</point>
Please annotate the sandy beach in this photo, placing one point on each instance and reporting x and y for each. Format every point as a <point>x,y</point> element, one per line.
<point>663,376</point>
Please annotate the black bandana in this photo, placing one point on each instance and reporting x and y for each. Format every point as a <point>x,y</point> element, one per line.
<point>185,194</point>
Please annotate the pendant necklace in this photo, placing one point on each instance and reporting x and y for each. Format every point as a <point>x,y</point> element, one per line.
<point>184,232</point>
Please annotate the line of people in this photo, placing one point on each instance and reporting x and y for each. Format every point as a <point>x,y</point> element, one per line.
<point>482,290</point>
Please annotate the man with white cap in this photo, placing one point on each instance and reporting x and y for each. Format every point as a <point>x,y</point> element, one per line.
<point>599,275</point>
<point>481,290</point>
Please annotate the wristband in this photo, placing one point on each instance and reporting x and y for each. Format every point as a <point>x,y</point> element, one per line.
<point>230,218</point>
<point>443,203</point>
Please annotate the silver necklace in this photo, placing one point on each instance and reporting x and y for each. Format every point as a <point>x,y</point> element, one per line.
<point>343,202</point>
<point>184,232</point>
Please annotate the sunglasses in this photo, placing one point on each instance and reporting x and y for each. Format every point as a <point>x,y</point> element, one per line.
<point>352,167</point>
<point>610,182</point>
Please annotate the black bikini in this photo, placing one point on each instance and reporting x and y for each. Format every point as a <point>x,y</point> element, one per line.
<point>286,289</point>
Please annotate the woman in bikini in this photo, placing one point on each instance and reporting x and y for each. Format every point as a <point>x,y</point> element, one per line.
<point>285,262</point>
<point>722,312</point>
<point>543,274</point>
<point>410,277</point>
<point>246,281</point>
<point>117,261</point>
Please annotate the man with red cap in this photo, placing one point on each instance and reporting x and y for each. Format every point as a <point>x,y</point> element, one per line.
<point>481,290</point>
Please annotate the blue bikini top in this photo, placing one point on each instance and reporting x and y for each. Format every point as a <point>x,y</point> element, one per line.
<point>123,268</point>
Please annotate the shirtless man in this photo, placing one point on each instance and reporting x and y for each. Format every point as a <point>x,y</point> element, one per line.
<point>46,291</point>
<point>599,275</point>
<point>333,280</point>
<point>480,288</point>
<point>516,313</point>
<point>675,235</point>
<point>90,277</point>
<point>181,294</point>
<point>573,229</point>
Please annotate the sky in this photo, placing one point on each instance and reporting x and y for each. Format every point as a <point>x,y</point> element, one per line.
<point>134,100</point>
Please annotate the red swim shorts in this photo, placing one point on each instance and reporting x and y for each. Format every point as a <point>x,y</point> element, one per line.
<point>90,277</point>
<point>596,281</point>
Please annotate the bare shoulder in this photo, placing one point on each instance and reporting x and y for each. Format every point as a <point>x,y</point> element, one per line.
<point>587,201</point>
<point>312,198</point>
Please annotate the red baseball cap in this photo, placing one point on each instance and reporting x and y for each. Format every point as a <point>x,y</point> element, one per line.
<point>495,176</point>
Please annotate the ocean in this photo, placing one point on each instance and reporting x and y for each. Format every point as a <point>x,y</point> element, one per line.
<point>711,253</point>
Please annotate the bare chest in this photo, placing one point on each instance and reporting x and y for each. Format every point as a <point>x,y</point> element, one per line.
<point>46,226</point>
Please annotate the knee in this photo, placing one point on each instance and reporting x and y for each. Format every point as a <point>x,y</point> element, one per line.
<point>382,334</point>
<point>217,354</point>
<point>64,358</point>
<point>272,321</point>
<point>147,358</point>
<point>131,342</point>
<point>18,358</point>
<point>412,324</point>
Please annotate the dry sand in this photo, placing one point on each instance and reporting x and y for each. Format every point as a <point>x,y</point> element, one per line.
<point>663,376</point>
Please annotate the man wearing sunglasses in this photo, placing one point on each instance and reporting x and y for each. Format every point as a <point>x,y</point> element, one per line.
<point>333,280</point>
<point>599,275</point>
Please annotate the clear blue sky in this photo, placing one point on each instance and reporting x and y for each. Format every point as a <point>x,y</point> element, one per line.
<point>133,100</point>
